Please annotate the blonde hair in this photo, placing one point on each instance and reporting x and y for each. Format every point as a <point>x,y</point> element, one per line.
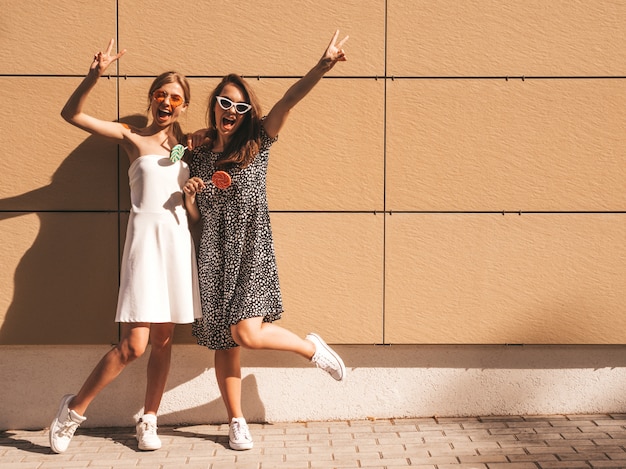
<point>164,79</point>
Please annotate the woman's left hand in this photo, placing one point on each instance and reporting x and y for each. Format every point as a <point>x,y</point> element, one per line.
<point>196,139</point>
<point>193,186</point>
<point>334,52</point>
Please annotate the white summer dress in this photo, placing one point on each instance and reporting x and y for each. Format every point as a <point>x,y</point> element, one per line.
<point>159,277</point>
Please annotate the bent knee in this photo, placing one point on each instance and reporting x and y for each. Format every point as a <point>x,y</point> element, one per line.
<point>248,341</point>
<point>246,338</point>
<point>247,333</point>
<point>129,353</point>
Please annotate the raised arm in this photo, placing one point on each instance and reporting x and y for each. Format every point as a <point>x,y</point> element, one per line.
<point>279,113</point>
<point>73,110</point>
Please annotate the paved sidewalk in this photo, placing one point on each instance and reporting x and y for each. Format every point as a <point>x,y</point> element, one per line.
<point>514,442</point>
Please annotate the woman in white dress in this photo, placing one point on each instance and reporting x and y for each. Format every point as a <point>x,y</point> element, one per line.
<point>159,277</point>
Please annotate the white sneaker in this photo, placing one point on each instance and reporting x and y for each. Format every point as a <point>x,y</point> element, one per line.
<point>326,358</point>
<point>147,433</point>
<point>64,425</point>
<point>239,437</point>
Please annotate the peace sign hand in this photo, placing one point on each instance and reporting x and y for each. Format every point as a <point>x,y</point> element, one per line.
<point>102,60</point>
<point>334,52</point>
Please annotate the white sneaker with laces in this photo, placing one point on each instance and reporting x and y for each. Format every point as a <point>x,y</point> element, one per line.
<point>239,437</point>
<point>64,425</point>
<point>326,358</point>
<point>147,437</point>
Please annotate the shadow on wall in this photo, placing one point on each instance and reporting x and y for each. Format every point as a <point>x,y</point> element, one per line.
<point>191,394</point>
<point>215,411</point>
<point>62,292</point>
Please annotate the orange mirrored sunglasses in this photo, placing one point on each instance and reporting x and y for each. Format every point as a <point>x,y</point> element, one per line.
<point>175,100</point>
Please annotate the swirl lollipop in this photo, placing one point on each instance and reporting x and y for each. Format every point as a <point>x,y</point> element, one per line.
<point>177,153</point>
<point>221,179</point>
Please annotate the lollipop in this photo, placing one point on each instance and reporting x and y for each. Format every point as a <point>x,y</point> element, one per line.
<point>221,179</point>
<point>177,153</point>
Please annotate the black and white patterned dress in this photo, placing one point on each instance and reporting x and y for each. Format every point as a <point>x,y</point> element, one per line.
<point>236,261</point>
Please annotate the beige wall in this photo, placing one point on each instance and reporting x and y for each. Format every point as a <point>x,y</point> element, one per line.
<point>383,382</point>
<point>418,195</point>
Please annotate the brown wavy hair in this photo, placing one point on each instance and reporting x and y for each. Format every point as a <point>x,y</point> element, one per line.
<point>246,142</point>
<point>164,79</point>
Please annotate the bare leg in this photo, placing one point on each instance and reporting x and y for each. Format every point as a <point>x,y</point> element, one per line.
<point>228,374</point>
<point>158,365</point>
<point>132,345</point>
<point>253,333</point>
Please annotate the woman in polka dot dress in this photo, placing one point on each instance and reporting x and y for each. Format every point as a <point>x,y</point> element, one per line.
<point>239,285</point>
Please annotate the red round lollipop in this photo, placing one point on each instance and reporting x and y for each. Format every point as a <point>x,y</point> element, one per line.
<point>221,179</point>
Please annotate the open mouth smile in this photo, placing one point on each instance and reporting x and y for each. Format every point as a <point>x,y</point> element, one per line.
<point>228,122</point>
<point>163,114</point>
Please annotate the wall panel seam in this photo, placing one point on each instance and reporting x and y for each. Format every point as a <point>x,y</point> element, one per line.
<point>385,126</point>
<point>344,77</point>
<point>372,212</point>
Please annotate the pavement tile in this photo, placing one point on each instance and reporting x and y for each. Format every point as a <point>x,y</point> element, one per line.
<point>565,465</point>
<point>552,449</point>
<point>430,433</point>
<point>539,436</point>
<point>577,435</point>
<point>513,465</point>
<point>581,456</point>
<point>227,465</point>
<point>544,417</point>
<point>66,464</point>
<point>400,428</point>
<point>571,424</point>
<point>541,457</point>
<point>333,464</point>
<point>20,465</point>
<point>609,422</point>
<point>481,458</point>
<point>485,425</point>
<point>480,447</point>
<point>529,424</point>
<point>444,420</point>
<point>462,466</point>
<point>619,441</point>
<point>512,430</point>
<point>395,462</point>
<point>442,451</point>
<point>435,461</point>
<point>491,437</point>
<point>519,442</point>
<point>599,464</point>
<point>501,418</point>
